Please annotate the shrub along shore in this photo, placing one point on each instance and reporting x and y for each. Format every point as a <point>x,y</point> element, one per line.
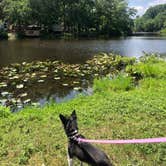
<point>131,104</point>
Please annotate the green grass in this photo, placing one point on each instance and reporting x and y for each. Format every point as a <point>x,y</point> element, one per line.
<point>115,111</point>
<point>119,83</point>
<point>150,68</point>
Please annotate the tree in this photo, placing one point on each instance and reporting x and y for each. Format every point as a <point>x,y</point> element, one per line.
<point>46,12</point>
<point>153,20</point>
<point>159,21</point>
<point>1,10</point>
<point>17,11</point>
<point>106,17</point>
<point>152,12</point>
<point>114,17</point>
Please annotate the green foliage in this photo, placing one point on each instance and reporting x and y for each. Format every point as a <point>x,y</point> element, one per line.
<point>152,83</point>
<point>101,85</point>
<point>4,112</point>
<point>151,67</point>
<point>153,20</point>
<point>152,12</point>
<point>121,62</point>
<point>17,12</point>
<point>83,17</point>
<point>150,58</point>
<point>119,83</point>
<point>3,34</point>
<point>163,31</point>
<point>108,11</point>
<point>46,12</point>
<point>1,10</point>
<point>27,152</point>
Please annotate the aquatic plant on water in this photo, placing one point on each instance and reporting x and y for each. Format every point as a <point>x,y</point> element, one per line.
<point>16,79</point>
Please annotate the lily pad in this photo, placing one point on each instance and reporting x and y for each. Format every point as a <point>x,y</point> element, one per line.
<point>57,78</point>
<point>20,86</point>
<point>3,84</point>
<point>82,74</point>
<point>35,104</point>
<point>23,94</point>
<point>96,74</point>
<point>56,71</point>
<point>76,82</point>
<point>33,75</point>
<point>65,84</point>
<point>45,69</point>
<point>40,81</point>
<point>18,100</point>
<point>43,76</point>
<point>14,77</point>
<point>27,101</point>
<point>14,70</point>
<point>19,106</point>
<point>4,93</point>
<point>77,88</point>
<point>26,80</point>
<point>3,101</point>
<point>13,100</point>
<point>55,62</point>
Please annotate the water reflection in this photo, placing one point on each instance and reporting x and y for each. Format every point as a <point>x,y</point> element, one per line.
<point>76,51</point>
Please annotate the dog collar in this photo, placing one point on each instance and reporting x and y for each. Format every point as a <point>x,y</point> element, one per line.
<point>73,135</point>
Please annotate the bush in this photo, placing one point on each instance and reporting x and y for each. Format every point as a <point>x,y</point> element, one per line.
<point>4,112</point>
<point>150,58</point>
<point>121,62</point>
<point>149,66</point>
<point>147,70</point>
<point>119,83</point>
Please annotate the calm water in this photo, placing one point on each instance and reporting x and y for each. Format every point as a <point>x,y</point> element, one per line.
<point>76,51</point>
<point>73,51</point>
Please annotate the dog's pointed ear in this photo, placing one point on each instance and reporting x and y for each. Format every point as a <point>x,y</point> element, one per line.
<point>74,115</point>
<point>63,119</point>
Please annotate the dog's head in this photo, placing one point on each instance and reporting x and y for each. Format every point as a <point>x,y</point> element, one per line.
<point>69,123</point>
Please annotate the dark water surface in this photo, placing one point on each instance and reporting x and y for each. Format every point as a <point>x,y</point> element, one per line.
<point>71,51</point>
<point>76,51</point>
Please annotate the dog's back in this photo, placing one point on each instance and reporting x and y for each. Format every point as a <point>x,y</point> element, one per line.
<point>88,153</point>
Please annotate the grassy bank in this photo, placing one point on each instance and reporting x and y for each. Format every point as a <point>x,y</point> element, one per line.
<point>132,105</point>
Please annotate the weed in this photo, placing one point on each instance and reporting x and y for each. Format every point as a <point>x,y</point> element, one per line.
<point>144,70</point>
<point>119,83</point>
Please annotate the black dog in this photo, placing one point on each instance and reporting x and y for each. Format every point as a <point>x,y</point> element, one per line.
<point>85,152</point>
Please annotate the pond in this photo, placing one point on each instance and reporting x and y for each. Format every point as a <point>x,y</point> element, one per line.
<point>76,51</point>
<point>20,85</point>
